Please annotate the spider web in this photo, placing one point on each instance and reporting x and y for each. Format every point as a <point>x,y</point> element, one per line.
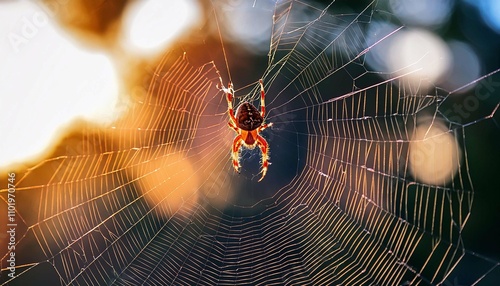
<point>153,199</point>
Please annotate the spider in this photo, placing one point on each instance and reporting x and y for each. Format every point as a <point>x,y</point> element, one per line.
<point>247,123</point>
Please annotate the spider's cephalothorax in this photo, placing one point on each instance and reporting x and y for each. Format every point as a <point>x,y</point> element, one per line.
<point>247,123</point>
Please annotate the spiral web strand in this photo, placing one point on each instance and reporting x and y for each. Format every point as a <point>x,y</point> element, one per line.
<point>150,200</point>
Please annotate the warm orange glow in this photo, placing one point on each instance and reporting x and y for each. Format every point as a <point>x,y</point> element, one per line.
<point>169,183</point>
<point>434,154</point>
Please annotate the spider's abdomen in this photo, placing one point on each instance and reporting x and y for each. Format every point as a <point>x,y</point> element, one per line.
<point>248,117</point>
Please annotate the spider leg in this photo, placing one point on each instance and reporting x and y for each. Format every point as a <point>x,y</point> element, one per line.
<point>229,96</point>
<point>262,99</point>
<point>264,126</point>
<point>221,84</point>
<point>231,124</point>
<point>229,91</point>
<point>265,154</point>
<point>236,153</point>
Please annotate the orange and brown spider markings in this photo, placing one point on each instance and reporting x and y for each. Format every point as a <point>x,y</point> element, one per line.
<point>248,119</point>
<point>247,123</point>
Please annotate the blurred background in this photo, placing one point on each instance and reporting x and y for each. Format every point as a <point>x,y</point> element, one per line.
<point>72,69</point>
